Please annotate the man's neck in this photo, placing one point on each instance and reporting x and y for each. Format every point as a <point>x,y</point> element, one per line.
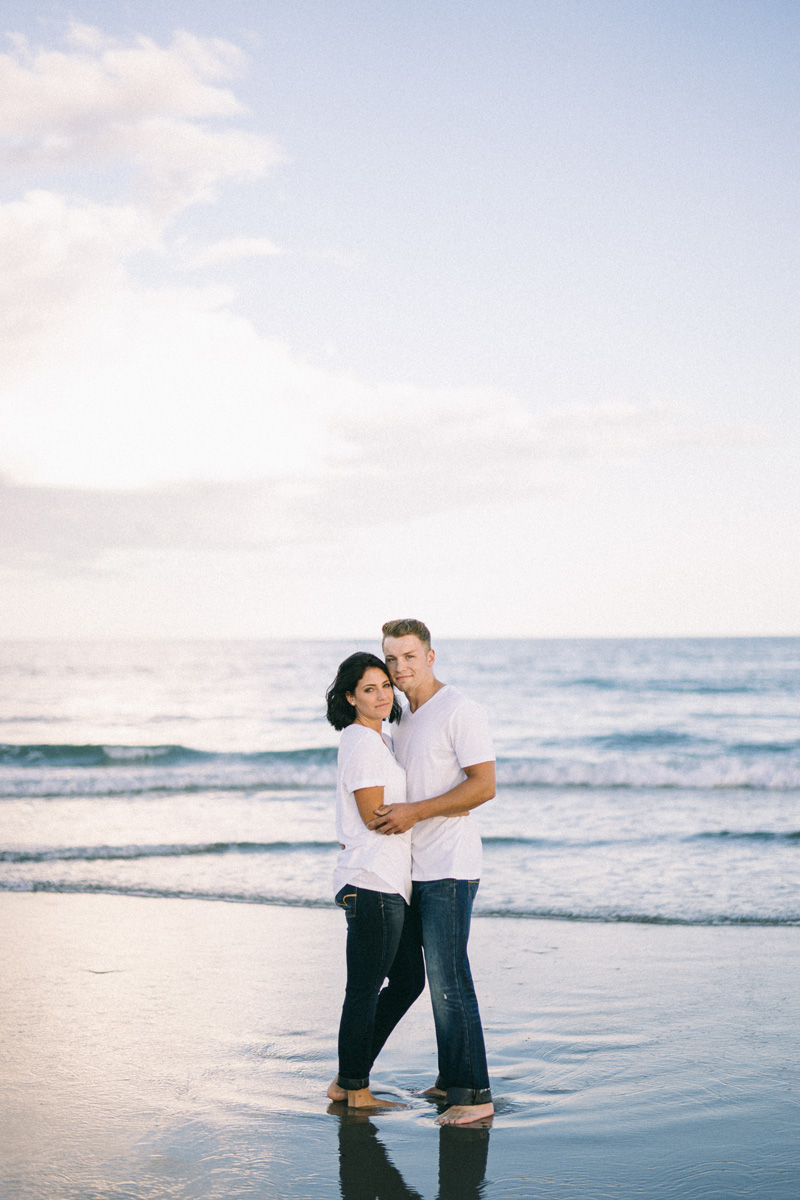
<point>423,693</point>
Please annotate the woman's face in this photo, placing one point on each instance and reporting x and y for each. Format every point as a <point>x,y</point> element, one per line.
<point>373,697</point>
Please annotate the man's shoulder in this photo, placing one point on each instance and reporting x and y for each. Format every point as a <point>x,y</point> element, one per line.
<point>444,701</point>
<point>457,702</point>
<point>451,708</point>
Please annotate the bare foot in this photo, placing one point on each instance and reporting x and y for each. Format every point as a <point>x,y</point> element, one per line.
<point>465,1114</point>
<point>335,1092</point>
<point>363,1098</point>
<point>433,1093</point>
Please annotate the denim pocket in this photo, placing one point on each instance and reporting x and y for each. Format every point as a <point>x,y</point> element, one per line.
<point>473,885</point>
<point>346,899</point>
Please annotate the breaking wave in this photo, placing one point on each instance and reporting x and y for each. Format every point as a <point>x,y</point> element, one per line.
<point>640,760</point>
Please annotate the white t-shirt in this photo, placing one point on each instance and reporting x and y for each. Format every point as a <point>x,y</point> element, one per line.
<point>433,744</point>
<point>378,862</point>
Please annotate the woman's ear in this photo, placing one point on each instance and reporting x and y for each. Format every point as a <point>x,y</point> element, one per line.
<point>350,698</point>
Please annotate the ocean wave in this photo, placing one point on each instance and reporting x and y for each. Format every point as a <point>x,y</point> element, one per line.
<point>644,739</point>
<point>38,756</point>
<point>126,853</point>
<point>595,916</point>
<point>755,835</point>
<point>653,839</point>
<point>693,772</point>
<point>791,747</point>
<point>158,893</point>
<point>614,917</point>
<point>638,741</point>
<point>654,759</point>
<point>50,772</point>
<point>55,854</point>
<point>695,687</point>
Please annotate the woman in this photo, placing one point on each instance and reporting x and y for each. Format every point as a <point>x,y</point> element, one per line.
<point>372,879</point>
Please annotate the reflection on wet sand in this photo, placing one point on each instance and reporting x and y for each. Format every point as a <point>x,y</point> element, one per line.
<point>367,1173</point>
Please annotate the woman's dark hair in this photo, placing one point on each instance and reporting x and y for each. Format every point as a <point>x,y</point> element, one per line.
<point>341,712</point>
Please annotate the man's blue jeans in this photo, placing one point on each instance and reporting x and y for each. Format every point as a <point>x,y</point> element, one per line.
<point>378,945</point>
<point>441,910</point>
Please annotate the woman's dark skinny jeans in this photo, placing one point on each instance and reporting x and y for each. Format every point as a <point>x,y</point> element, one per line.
<point>378,946</point>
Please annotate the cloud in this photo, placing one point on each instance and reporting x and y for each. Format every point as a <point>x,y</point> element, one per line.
<point>60,261</point>
<point>231,250</point>
<point>42,526</point>
<point>164,387</point>
<point>138,108</point>
<point>156,417</point>
<point>288,455</point>
<point>101,102</point>
<point>170,386</point>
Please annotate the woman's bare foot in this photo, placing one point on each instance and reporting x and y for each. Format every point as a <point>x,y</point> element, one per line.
<point>335,1092</point>
<point>433,1093</point>
<point>363,1098</point>
<point>465,1114</point>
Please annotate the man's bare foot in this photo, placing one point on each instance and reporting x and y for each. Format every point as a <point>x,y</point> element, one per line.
<point>335,1092</point>
<point>465,1114</point>
<point>363,1098</point>
<point>433,1093</point>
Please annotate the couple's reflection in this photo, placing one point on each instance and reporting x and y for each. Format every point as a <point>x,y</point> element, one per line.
<point>366,1172</point>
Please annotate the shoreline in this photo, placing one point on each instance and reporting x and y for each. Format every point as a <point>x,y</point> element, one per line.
<point>159,1049</point>
<point>723,922</point>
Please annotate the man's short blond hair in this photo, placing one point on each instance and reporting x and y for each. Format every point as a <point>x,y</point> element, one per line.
<point>408,625</point>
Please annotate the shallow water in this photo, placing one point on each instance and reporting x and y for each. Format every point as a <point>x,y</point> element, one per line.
<point>182,1049</point>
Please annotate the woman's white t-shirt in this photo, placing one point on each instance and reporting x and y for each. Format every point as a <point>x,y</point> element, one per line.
<point>378,862</point>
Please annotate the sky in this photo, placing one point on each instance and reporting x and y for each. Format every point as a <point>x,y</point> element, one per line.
<point>317,313</point>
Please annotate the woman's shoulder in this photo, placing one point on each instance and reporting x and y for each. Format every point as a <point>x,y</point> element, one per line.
<point>356,736</point>
<point>352,733</point>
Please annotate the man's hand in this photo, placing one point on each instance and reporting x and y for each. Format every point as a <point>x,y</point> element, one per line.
<point>394,818</point>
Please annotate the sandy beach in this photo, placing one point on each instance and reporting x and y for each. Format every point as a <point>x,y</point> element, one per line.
<point>160,1048</point>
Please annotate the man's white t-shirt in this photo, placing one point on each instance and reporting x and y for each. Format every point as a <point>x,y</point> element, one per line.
<point>370,860</point>
<point>433,745</point>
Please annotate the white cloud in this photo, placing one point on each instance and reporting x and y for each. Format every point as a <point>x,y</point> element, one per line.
<point>162,387</point>
<point>60,262</point>
<point>218,434</point>
<point>100,79</point>
<point>78,526</point>
<point>231,250</point>
<point>102,101</point>
<point>139,107</point>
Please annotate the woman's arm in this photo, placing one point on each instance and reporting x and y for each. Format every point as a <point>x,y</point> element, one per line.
<point>368,800</point>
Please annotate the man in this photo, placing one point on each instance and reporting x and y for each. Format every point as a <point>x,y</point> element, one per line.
<point>443,743</point>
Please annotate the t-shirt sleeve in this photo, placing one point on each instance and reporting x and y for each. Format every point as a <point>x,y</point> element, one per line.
<point>472,741</point>
<point>366,764</point>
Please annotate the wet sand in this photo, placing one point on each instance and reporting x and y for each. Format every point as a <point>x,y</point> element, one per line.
<point>181,1048</point>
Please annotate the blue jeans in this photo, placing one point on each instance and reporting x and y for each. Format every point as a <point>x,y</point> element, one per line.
<point>378,946</point>
<point>440,911</point>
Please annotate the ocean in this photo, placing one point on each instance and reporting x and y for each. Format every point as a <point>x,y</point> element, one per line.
<point>639,780</point>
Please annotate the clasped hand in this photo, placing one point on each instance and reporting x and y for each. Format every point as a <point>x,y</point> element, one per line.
<point>393,818</point>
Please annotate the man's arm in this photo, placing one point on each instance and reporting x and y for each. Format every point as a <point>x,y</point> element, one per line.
<point>476,789</point>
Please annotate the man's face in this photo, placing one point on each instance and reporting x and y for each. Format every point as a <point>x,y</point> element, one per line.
<point>410,662</point>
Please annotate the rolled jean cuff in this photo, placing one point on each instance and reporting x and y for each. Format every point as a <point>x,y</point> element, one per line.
<point>468,1096</point>
<point>352,1085</point>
